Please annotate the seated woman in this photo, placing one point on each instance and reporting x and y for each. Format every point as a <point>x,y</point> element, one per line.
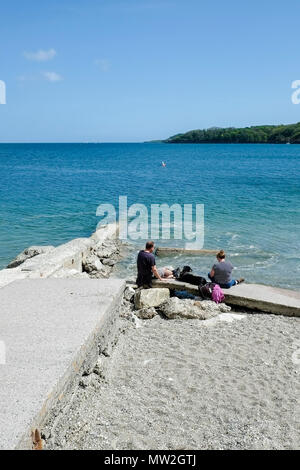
<point>221,272</point>
<point>166,272</point>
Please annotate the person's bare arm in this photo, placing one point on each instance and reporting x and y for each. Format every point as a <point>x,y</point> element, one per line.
<point>156,274</point>
<point>212,273</point>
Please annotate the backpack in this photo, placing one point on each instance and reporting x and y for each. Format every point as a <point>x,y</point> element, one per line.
<point>217,294</point>
<point>206,291</point>
<point>211,291</point>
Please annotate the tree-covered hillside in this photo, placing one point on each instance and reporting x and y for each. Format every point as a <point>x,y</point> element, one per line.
<point>248,135</point>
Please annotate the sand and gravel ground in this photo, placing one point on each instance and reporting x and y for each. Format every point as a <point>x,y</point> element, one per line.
<point>191,384</point>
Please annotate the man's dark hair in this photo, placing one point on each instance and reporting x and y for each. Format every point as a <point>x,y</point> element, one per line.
<point>149,245</point>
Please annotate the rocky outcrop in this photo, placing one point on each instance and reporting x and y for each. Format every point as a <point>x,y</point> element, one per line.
<point>145,298</point>
<point>192,309</point>
<point>68,260</point>
<point>95,269</point>
<point>145,304</point>
<point>102,258</point>
<point>30,252</point>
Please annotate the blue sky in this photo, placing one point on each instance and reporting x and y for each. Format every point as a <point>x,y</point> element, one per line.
<point>134,70</point>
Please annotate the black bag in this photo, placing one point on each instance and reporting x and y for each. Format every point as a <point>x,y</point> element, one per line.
<point>192,279</point>
<point>205,291</point>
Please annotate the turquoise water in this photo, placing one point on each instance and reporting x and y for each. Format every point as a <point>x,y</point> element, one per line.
<point>49,194</point>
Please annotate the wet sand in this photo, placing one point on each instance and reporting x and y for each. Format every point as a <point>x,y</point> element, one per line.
<point>191,384</point>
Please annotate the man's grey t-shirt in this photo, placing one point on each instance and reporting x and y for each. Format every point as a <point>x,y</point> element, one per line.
<point>223,272</point>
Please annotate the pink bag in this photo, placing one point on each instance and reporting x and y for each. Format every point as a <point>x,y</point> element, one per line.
<point>217,294</point>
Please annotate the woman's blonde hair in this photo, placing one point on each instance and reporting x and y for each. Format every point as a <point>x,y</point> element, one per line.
<point>221,254</point>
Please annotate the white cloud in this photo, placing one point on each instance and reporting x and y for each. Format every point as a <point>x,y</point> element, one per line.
<point>40,55</point>
<point>104,64</point>
<point>52,76</point>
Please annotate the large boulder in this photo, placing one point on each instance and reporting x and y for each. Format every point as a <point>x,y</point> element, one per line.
<point>192,309</point>
<point>29,253</point>
<point>145,298</point>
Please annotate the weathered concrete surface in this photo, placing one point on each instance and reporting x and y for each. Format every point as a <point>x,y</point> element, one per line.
<point>52,330</point>
<point>70,255</point>
<point>265,298</point>
<point>254,296</point>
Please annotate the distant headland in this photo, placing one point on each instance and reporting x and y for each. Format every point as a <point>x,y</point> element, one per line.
<point>282,134</point>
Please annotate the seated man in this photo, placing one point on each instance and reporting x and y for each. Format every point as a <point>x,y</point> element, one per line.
<point>146,266</point>
<point>221,272</point>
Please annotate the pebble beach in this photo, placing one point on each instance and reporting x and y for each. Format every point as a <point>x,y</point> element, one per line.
<point>230,382</point>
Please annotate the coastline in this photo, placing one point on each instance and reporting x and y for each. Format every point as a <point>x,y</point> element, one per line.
<point>261,189</point>
<point>144,382</point>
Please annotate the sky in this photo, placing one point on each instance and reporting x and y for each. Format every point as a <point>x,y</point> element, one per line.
<point>136,70</point>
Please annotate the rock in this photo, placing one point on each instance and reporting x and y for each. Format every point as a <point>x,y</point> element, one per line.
<point>92,263</point>
<point>96,270</point>
<point>108,262</point>
<point>29,253</point>
<point>85,381</point>
<point>126,309</point>
<point>192,309</point>
<point>145,298</point>
<point>103,252</point>
<point>99,367</point>
<point>129,293</point>
<point>107,249</point>
<point>146,313</point>
<point>212,306</point>
<point>103,273</point>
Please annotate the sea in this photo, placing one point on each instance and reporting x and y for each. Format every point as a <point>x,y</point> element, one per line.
<point>49,194</point>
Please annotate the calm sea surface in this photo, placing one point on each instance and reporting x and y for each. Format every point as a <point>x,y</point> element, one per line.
<point>49,194</point>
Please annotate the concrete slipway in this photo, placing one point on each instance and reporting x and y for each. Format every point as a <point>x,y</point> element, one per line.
<point>53,330</point>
